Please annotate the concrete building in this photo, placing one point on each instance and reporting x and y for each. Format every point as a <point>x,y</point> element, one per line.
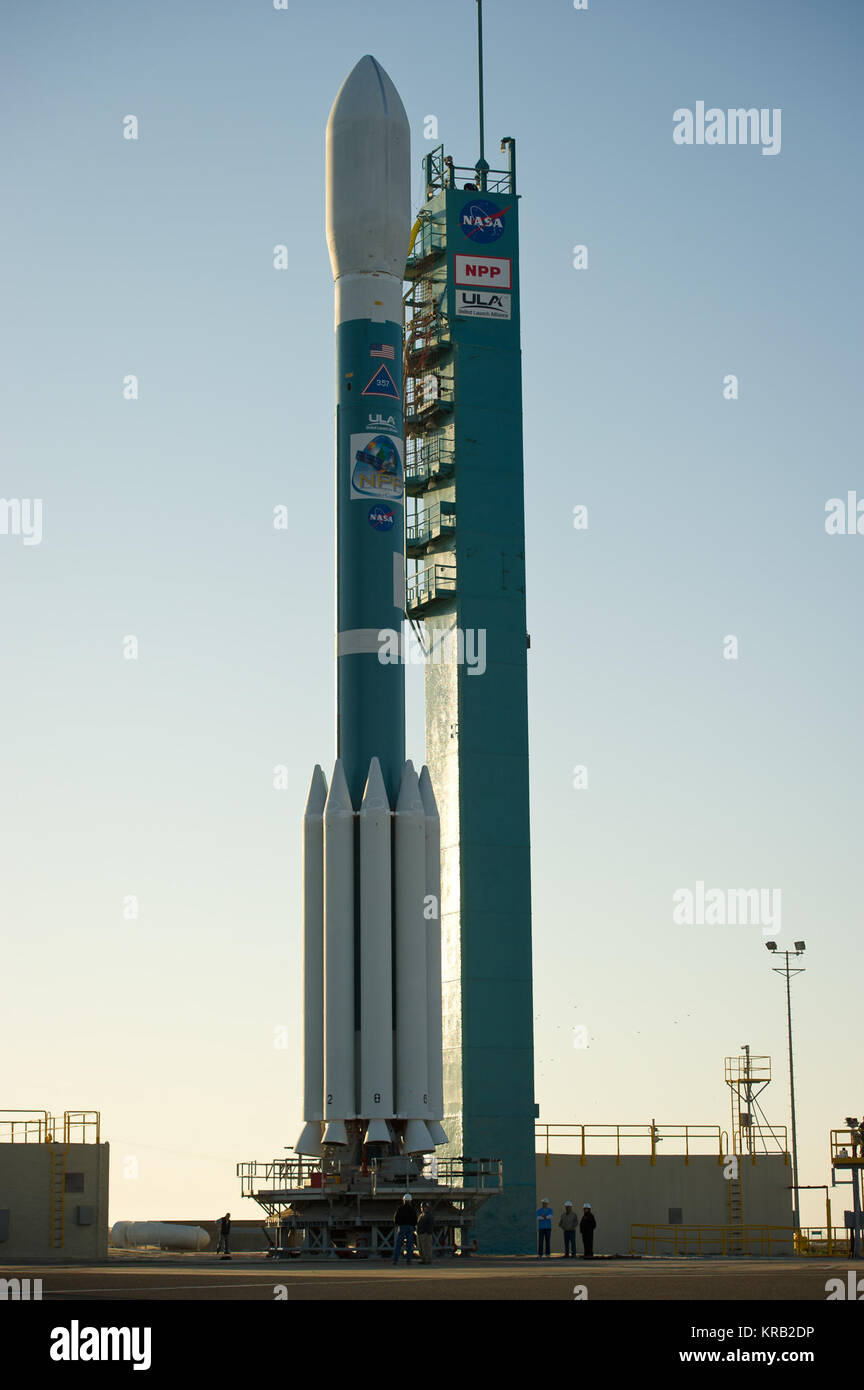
<point>53,1186</point>
<point>663,1189</point>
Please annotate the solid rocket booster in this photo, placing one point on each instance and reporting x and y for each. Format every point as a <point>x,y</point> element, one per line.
<point>368,211</point>
<point>371,843</point>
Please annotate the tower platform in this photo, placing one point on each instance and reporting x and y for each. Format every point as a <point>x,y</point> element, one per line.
<point>330,1207</point>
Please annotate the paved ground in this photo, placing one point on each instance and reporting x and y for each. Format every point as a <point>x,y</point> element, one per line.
<point>202,1277</point>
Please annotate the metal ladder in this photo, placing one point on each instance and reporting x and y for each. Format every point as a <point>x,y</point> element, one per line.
<point>736,1213</point>
<point>57,1178</point>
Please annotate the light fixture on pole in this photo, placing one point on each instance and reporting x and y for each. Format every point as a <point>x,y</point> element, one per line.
<point>789,971</point>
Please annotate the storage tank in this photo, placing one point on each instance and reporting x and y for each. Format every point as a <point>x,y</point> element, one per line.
<point>132,1235</point>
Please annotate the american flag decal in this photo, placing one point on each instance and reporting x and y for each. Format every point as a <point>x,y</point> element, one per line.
<point>382,350</point>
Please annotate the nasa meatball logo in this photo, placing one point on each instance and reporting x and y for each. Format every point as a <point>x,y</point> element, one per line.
<point>482,221</point>
<point>381,518</point>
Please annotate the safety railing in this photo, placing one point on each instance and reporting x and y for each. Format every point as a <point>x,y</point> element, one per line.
<point>430,523</point>
<point>684,1140</point>
<point>292,1175</point>
<point>847,1147</point>
<point>822,1240</point>
<point>755,1141</point>
<point>429,243</point>
<point>465,1174</point>
<point>747,1069</point>
<point>29,1127</point>
<point>426,332</point>
<point>286,1174</point>
<point>647,1238</point>
<point>434,581</point>
<point>81,1126</point>
<point>35,1126</point>
<point>427,394</point>
<point>428,458</point>
<point>440,172</point>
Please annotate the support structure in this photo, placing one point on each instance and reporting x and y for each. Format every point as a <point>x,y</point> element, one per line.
<point>466,585</point>
<point>334,1208</point>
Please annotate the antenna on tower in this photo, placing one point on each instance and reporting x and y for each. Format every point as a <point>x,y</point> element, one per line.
<point>481,166</point>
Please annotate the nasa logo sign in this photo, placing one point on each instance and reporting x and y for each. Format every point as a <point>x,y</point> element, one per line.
<point>482,221</point>
<point>381,518</point>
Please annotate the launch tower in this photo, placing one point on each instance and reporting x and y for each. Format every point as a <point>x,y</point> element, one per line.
<point>465,547</point>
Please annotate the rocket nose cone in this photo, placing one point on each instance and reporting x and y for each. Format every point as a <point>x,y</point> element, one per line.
<point>368,155</point>
<point>367,91</point>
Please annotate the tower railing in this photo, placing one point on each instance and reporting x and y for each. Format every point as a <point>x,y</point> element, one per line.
<point>426,394</point>
<point>429,583</point>
<point>439,172</point>
<point>427,457</point>
<point>431,522</point>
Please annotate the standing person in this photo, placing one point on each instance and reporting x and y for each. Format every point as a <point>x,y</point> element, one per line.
<point>568,1221</point>
<point>544,1229</point>
<point>587,1226</point>
<point>224,1226</point>
<point>426,1233</point>
<point>405,1219</point>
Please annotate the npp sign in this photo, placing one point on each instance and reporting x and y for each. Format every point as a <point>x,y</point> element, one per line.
<point>488,271</point>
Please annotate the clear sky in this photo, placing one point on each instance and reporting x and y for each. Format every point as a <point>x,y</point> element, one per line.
<point>154,777</point>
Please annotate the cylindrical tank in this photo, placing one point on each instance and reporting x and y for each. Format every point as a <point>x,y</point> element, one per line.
<point>131,1235</point>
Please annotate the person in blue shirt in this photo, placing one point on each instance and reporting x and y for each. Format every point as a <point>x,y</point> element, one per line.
<point>544,1229</point>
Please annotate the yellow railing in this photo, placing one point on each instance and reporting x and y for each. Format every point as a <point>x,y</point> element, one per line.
<point>682,1141</point>
<point>40,1127</point>
<point>747,1069</point>
<point>35,1127</point>
<point>647,1238</point>
<point>822,1240</point>
<point>847,1147</point>
<point>83,1121</point>
<point>635,1139</point>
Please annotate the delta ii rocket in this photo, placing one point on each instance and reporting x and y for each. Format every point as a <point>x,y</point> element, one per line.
<point>371,842</point>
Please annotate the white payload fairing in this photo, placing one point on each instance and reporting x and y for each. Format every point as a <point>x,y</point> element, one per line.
<point>371,842</point>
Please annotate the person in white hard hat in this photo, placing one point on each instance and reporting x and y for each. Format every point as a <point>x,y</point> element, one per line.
<point>404,1219</point>
<point>569,1224</point>
<point>587,1227</point>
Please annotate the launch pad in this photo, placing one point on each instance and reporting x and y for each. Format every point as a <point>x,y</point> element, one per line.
<point>337,1208</point>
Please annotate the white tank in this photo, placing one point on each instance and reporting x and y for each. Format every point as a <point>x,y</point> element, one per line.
<point>132,1235</point>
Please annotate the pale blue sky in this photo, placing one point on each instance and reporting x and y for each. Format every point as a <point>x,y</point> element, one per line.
<point>706,518</point>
